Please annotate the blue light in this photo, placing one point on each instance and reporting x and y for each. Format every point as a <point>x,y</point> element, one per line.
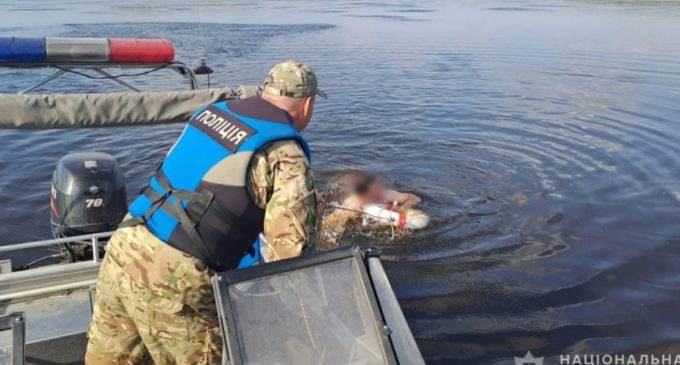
<point>22,50</point>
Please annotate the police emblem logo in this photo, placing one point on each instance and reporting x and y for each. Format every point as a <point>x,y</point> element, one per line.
<point>222,127</point>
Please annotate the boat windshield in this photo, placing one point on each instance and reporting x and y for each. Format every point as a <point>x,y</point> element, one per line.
<point>320,314</point>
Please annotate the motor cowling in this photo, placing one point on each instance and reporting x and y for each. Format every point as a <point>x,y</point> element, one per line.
<point>88,194</point>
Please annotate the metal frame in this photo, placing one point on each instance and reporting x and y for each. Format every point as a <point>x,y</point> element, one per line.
<point>15,322</point>
<point>99,67</point>
<point>405,345</point>
<point>93,239</point>
<point>222,281</point>
<point>51,278</point>
<point>93,295</point>
<point>5,266</point>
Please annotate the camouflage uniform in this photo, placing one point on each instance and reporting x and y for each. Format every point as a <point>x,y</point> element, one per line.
<point>281,182</point>
<point>155,303</point>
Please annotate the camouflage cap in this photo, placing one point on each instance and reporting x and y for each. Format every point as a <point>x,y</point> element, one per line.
<point>292,79</point>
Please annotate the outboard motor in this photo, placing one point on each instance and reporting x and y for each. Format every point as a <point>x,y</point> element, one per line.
<point>88,196</point>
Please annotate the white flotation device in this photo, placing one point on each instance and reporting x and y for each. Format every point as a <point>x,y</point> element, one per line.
<point>412,219</point>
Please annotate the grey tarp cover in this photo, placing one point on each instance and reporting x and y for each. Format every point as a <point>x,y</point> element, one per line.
<point>41,111</point>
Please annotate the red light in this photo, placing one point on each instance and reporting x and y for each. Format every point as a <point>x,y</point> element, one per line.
<point>141,50</point>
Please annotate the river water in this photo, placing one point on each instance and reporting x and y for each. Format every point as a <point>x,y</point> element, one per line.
<point>543,139</point>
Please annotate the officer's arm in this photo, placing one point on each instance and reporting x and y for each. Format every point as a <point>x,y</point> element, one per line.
<point>283,176</point>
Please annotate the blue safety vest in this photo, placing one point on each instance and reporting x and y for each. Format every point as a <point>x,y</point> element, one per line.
<point>198,200</point>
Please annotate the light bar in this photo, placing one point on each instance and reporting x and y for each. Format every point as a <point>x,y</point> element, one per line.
<point>21,50</point>
<point>61,50</point>
<point>85,50</point>
<point>140,50</point>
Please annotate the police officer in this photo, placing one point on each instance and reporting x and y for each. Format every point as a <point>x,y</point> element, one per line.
<point>239,168</point>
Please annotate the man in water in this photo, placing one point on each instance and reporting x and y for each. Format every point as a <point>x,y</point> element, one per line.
<point>238,169</point>
<point>362,196</point>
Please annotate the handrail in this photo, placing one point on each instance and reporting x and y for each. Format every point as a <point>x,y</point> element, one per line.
<point>66,67</point>
<point>47,279</point>
<point>92,237</point>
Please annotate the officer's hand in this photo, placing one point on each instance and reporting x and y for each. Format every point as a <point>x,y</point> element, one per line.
<point>320,204</point>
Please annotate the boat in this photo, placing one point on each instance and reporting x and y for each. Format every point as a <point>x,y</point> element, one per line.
<point>336,307</point>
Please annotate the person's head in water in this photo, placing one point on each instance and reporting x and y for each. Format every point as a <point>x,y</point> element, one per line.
<point>292,86</point>
<point>358,188</point>
<point>366,186</point>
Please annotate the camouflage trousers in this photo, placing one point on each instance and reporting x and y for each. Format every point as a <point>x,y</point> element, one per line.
<point>154,304</point>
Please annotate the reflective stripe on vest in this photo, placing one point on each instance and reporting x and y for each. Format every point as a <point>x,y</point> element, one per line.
<point>206,170</point>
